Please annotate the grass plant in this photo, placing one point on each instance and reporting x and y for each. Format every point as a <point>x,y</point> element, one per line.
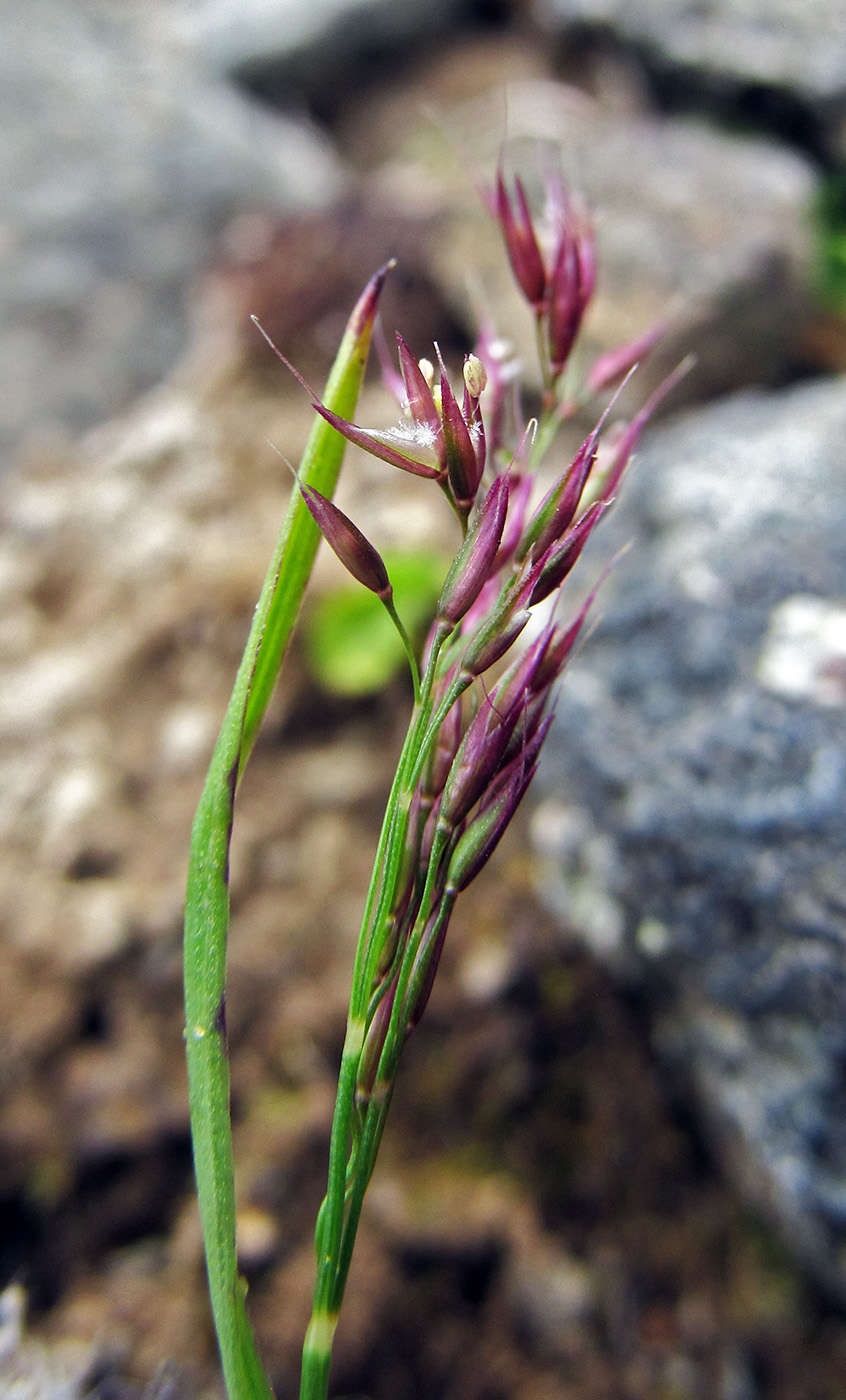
<point>475,731</point>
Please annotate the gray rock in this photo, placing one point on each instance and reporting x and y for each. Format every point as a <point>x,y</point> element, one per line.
<point>799,48</point>
<point>696,785</point>
<point>307,40</point>
<point>121,161</point>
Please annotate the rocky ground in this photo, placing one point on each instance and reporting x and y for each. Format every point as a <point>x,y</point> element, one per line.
<point>553,1215</point>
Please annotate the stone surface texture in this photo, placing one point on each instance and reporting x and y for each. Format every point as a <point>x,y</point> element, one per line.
<point>262,33</point>
<point>125,160</point>
<point>800,47</point>
<point>697,781</point>
<point>121,162</point>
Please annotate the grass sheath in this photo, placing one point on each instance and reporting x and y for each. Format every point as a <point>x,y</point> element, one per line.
<point>471,748</point>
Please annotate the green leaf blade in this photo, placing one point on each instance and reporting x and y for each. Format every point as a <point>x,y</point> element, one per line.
<point>207,895</point>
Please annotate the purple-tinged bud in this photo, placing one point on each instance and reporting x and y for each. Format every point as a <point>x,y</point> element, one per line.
<point>503,624</point>
<point>565,305</point>
<point>560,648</point>
<point>460,453</point>
<point>480,838</point>
<point>473,563</point>
<point>520,484</point>
<point>418,389</point>
<point>442,753</point>
<point>374,1044</point>
<point>615,364</point>
<point>520,241</point>
<point>571,287</point>
<point>428,959</point>
<point>558,507</point>
<point>354,551</point>
<point>519,495</point>
<point>559,560</point>
<point>520,676</point>
<point>494,638</point>
<point>477,842</point>
<point>476,761</point>
<point>521,760</point>
<point>388,950</point>
<point>476,615</point>
<point>531,716</point>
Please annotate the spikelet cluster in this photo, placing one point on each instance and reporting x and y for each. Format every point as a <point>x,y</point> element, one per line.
<point>479,736</point>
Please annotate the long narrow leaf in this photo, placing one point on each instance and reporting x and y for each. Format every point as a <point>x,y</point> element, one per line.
<point>207,899</point>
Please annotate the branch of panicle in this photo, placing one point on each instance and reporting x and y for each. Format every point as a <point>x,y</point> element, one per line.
<point>553,256</point>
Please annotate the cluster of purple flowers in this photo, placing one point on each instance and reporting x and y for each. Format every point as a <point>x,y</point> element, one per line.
<point>557,286</point>
<point>475,756</point>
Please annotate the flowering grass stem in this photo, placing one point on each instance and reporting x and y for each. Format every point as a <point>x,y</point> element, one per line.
<point>469,753</point>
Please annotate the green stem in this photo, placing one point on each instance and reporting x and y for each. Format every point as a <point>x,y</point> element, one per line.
<point>339,1213</point>
<point>377,1114</point>
<point>543,360</point>
<point>317,1357</point>
<point>406,641</point>
<point>410,983</point>
<point>389,851</point>
<point>207,898</point>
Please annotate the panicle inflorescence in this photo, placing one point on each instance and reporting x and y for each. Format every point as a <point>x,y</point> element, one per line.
<point>475,736</point>
<point>476,731</point>
<point>474,754</point>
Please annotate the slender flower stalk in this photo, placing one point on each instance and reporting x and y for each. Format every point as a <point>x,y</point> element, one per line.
<point>474,738</point>
<point>359,557</point>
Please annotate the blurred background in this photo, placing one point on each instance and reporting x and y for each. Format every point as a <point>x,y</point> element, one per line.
<point>616,1166</point>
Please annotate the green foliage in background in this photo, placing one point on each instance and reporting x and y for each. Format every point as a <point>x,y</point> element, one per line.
<point>830,223</point>
<point>352,647</point>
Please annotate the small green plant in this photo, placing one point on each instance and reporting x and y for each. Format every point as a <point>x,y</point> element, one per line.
<point>830,230</point>
<point>475,731</point>
<point>351,645</point>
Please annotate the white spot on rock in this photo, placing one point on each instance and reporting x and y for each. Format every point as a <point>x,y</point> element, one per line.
<point>804,652</point>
